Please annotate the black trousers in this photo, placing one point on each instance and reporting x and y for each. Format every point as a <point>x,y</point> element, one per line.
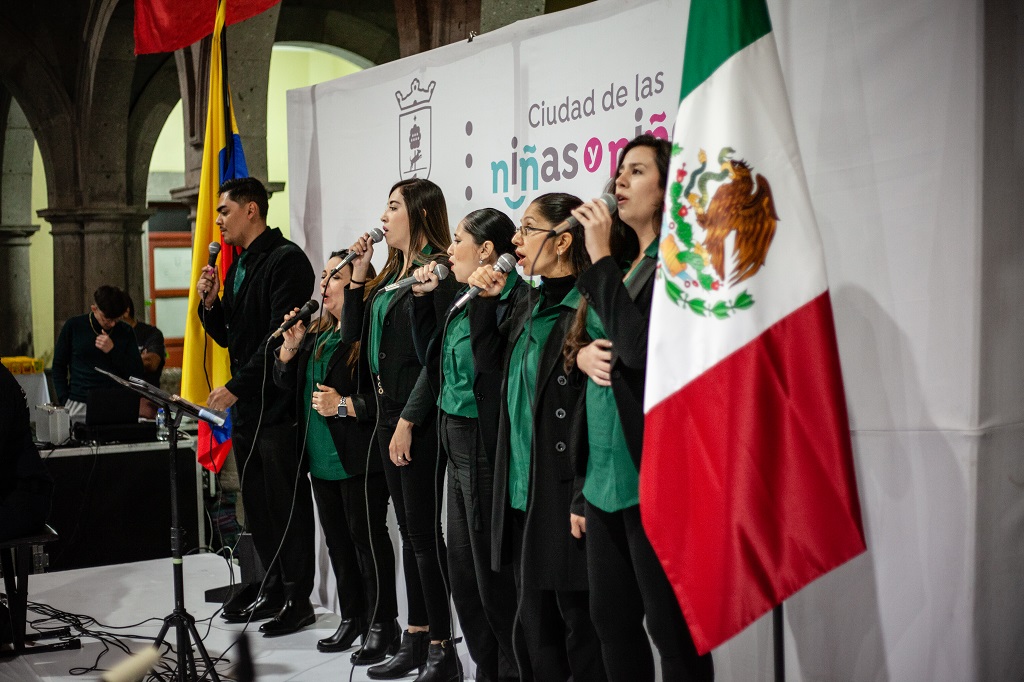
<point>484,599</point>
<point>628,583</point>
<point>416,490</point>
<point>556,625</point>
<point>278,505</point>
<point>353,544</point>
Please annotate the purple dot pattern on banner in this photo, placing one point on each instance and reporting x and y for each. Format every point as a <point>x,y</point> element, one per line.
<point>469,160</point>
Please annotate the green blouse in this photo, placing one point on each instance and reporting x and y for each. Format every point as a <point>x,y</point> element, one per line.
<point>378,312</point>
<point>522,389</point>
<point>458,372</point>
<point>613,482</point>
<point>324,462</point>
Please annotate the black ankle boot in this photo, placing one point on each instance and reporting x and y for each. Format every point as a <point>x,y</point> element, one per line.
<point>344,637</point>
<point>381,641</point>
<point>411,656</point>
<point>442,664</point>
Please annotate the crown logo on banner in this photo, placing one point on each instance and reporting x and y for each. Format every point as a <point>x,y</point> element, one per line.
<point>414,130</point>
<point>416,95</point>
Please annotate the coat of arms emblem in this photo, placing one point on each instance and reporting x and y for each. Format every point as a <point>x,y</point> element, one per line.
<point>414,130</point>
<point>709,246</point>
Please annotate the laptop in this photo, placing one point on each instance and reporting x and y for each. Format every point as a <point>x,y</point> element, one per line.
<point>111,406</point>
<point>112,415</point>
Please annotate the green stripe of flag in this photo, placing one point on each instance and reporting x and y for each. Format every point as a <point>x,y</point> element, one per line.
<point>717,30</point>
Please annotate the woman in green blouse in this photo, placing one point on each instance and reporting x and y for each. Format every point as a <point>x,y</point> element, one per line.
<point>469,400</point>
<point>336,410</point>
<point>627,582</point>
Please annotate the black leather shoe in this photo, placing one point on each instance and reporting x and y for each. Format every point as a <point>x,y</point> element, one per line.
<point>442,664</point>
<point>265,606</point>
<point>344,637</point>
<point>412,655</point>
<point>293,617</point>
<point>381,641</point>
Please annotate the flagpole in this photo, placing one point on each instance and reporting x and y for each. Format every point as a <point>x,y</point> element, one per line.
<point>778,644</point>
<point>229,141</point>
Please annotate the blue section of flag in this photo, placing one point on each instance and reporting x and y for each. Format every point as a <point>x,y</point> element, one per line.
<point>222,433</point>
<point>233,166</point>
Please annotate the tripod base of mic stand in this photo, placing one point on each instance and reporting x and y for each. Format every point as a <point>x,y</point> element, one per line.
<point>186,636</point>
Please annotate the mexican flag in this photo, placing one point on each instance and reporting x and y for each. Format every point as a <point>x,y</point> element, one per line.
<point>747,486</point>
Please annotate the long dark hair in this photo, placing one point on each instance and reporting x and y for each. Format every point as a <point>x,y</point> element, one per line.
<point>428,223</point>
<point>490,225</point>
<point>624,243</point>
<point>328,321</point>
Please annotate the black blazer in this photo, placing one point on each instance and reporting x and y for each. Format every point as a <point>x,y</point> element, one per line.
<point>399,359</point>
<point>486,384</point>
<point>551,558</point>
<point>278,277</point>
<point>351,436</point>
<point>625,315</point>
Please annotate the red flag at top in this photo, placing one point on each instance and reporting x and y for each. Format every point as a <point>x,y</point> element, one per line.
<point>169,25</point>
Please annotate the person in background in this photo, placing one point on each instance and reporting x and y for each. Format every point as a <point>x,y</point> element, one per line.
<point>608,341</point>
<point>150,341</point>
<point>538,500</point>
<point>470,402</point>
<point>151,347</point>
<point>97,339</point>
<point>270,278</point>
<point>337,410</point>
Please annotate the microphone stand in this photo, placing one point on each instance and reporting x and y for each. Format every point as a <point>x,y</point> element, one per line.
<point>184,623</point>
<point>185,632</point>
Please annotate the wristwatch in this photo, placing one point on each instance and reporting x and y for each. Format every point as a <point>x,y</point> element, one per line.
<point>343,407</point>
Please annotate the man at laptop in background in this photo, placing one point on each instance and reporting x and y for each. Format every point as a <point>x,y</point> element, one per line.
<point>97,339</point>
<point>154,354</point>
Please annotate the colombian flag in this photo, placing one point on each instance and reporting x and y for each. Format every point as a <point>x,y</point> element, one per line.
<point>204,363</point>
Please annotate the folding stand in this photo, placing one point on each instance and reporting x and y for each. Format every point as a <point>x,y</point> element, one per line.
<point>183,622</point>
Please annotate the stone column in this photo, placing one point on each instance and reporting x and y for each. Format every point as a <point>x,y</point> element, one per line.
<point>16,293</point>
<point>92,247</point>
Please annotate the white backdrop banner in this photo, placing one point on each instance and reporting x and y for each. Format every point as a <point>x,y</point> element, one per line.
<point>543,105</point>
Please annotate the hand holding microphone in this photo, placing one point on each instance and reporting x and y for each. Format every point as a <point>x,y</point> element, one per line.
<point>597,216</point>
<point>359,255</point>
<point>440,271</point>
<point>302,315</point>
<point>487,281</point>
<point>606,203</point>
<point>209,282</point>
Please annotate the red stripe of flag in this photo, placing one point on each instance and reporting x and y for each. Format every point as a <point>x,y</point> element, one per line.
<point>747,485</point>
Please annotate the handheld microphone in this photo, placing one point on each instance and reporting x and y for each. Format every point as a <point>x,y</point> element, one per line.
<point>305,311</point>
<point>440,270</point>
<point>571,222</point>
<point>215,417</point>
<point>505,264</point>
<point>214,249</point>
<point>376,234</point>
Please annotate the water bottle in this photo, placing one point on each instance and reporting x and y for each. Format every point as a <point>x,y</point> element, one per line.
<point>161,425</point>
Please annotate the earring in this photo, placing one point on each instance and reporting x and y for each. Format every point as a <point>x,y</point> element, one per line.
<point>481,261</point>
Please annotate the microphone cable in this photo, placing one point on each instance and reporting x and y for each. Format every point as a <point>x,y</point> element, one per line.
<point>368,309</point>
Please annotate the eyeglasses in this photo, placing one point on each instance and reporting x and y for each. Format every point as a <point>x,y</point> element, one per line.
<point>525,231</point>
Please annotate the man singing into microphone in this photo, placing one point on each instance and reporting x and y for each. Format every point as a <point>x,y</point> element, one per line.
<point>270,278</point>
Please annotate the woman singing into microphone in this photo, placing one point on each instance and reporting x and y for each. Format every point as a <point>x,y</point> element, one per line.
<point>469,400</point>
<point>415,225</point>
<point>538,505</point>
<point>336,411</point>
<point>627,582</point>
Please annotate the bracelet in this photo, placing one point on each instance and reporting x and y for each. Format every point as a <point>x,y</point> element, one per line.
<point>290,348</point>
<point>356,281</point>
